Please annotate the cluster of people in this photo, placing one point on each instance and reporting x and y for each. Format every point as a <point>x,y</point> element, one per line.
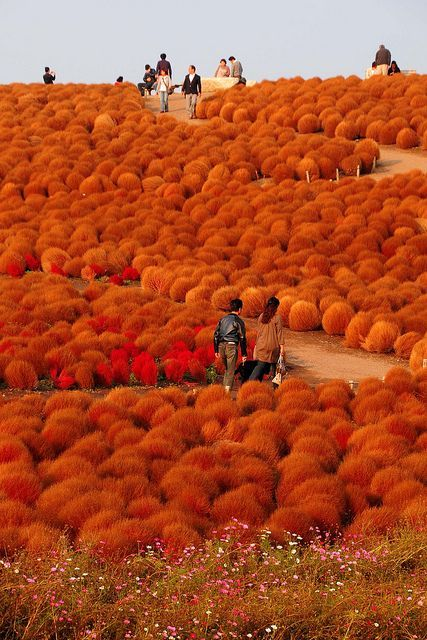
<point>383,65</point>
<point>269,353</point>
<point>160,81</point>
<point>235,70</point>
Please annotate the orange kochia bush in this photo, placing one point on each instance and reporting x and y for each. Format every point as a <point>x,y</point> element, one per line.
<point>178,466</point>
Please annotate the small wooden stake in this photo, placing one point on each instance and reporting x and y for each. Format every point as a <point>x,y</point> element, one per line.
<point>338,174</point>
<point>358,171</point>
<point>307,175</point>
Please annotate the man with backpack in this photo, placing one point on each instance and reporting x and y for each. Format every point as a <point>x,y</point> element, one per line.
<point>229,333</point>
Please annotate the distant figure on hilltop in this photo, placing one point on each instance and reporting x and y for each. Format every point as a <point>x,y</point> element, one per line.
<point>192,88</point>
<point>383,59</point>
<point>223,70</point>
<point>48,76</point>
<point>119,81</point>
<point>164,65</point>
<point>393,68</point>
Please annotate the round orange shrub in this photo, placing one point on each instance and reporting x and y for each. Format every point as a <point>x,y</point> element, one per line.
<point>381,337</point>
<point>308,123</point>
<point>336,318</point>
<point>304,316</point>
<point>407,138</point>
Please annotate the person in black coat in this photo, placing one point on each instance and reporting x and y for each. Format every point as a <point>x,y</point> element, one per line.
<point>192,89</point>
<point>48,76</point>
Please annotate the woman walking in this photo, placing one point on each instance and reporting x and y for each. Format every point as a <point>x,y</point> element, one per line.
<point>163,86</point>
<point>270,340</point>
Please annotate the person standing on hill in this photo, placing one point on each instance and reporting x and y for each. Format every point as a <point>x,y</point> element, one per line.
<point>192,88</point>
<point>270,342</point>
<point>48,76</point>
<point>163,88</point>
<point>229,333</point>
<point>383,60</point>
<point>164,65</point>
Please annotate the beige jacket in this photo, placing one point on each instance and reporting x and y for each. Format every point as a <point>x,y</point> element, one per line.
<point>269,339</point>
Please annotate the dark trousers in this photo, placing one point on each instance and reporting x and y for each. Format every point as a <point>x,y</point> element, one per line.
<point>261,368</point>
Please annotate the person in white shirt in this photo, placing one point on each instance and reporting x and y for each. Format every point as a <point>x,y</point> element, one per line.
<point>163,87</point>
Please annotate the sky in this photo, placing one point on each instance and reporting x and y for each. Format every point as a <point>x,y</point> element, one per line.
<point>94,41</point>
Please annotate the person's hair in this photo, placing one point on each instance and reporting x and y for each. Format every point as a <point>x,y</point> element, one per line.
<point>236,304</point>
<point>47,69</point>
<point>270,309</point>
<point>163,56</point>
<point>192,67</point>
<point>119,79</point>
<point>231,58</point>
<point>147,66</point>
<point>223,60</point>
<point>374,64</point>
<point>393,62</point>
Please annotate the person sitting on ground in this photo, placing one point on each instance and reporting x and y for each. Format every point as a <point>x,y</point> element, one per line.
<point>270,342</point>
<point>119,81</point>
<point>229,333</point>
<point>165,65</point>
<point>48,76</point>
<point>383,59</point>
<point>149,80</point>
<point>163,88</point>
<point>393,68</point>
<point>223,70</point>
<point>236,70</point>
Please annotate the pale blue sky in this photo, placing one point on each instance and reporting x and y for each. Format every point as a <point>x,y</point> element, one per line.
<point>97,40</point>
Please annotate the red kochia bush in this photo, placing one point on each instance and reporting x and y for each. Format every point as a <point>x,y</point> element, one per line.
<point>20,374</point>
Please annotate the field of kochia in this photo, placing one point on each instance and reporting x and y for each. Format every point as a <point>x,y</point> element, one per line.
<point>123,238</point>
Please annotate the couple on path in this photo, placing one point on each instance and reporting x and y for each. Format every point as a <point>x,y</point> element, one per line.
<point>269,348</point>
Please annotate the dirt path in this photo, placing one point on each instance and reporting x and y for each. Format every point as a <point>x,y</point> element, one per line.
<point>394,160</point>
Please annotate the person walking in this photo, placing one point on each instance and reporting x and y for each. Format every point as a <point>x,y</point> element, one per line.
<point>229,333</point>
<point>163,87</point>
<point>119,81</point>
<point>192,88</point>
<point>223,70</point>
<point>383,60</point>
<point>270,340</point>
<point>48,76</point>
<point>236,69</point>
<point>164,65</point>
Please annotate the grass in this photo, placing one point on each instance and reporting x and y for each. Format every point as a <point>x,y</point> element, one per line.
<point>349,589</point>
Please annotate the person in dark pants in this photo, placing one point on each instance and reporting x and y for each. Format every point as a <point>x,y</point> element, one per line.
<point>48,76</point>
<point>270,340</point>
<point>229,333</point>
<point>192,88</point>
<point>164,65</point>
<point>149,80</point>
